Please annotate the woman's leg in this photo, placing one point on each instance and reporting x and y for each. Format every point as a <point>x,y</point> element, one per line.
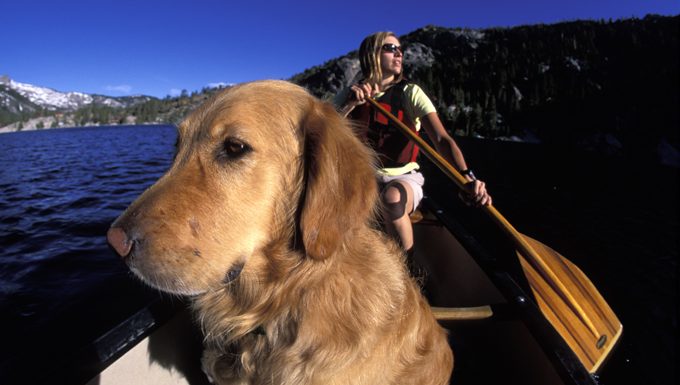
<point>397,200</point>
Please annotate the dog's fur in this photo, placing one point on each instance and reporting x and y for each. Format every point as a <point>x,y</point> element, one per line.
<point>276,245</point>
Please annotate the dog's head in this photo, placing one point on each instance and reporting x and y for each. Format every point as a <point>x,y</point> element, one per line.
<point>260,164</point>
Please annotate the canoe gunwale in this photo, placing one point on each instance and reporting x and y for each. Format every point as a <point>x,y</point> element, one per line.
<point>114,344</point>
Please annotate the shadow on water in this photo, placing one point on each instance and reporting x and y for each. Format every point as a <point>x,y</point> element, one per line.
<point>617,219</point>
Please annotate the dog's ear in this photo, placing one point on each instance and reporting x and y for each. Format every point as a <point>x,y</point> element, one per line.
<point>341,190</point>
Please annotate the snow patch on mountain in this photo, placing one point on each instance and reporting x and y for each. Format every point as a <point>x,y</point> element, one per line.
<point>52,100</point>
<point>49,98</point>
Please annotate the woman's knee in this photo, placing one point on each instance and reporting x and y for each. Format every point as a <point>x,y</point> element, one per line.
<point>395,200</point>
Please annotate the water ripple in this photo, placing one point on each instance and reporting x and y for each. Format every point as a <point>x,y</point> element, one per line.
<point>61,189</point>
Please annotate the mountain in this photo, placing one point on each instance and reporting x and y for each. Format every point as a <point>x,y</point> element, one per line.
<point>18,100</point>
<point>608,86</point>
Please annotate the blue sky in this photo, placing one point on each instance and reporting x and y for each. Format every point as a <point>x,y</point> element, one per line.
<point>154,47</point>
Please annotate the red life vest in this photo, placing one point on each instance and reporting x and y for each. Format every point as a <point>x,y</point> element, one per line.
<point>394,149</point>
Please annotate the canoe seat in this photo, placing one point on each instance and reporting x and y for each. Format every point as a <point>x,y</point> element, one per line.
<point>462,313</point>
<point>416,216</point>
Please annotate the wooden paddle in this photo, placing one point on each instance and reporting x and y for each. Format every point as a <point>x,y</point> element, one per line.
<point>565,295</point>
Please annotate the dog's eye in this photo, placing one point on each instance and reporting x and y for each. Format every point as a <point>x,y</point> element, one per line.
<point>235,149</point>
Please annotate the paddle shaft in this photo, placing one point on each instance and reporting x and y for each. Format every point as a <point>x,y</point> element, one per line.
<point>522,245</point>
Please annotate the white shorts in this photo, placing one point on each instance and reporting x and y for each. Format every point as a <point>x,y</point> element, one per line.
<point>414,179</point>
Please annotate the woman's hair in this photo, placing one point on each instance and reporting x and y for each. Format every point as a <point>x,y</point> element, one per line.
<point>369,57</point>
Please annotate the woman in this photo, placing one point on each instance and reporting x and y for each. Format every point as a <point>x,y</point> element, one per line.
<point>381,57</point>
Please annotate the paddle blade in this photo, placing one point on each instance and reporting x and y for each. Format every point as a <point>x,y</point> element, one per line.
<point>589,326</point>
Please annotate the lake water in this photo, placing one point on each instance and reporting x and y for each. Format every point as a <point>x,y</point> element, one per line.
<point>60,286</point>
<point>61,189</point>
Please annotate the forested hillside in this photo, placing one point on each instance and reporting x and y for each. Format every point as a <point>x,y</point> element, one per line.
<point>605,85</point>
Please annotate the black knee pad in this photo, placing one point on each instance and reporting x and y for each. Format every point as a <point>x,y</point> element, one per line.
<point>395,210</point>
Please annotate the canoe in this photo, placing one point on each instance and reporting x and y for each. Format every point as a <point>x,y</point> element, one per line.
<point>516,344</point>
<point>463,262</point>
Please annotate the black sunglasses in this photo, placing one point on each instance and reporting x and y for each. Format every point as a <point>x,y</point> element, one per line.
<point>392,48</point>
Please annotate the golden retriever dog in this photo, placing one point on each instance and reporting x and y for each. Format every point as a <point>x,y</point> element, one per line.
<point>266,219</point>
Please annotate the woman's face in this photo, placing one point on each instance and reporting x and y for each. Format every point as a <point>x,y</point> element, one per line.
<point>391,62</point>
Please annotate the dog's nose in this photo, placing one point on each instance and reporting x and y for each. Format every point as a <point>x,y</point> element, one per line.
<point>119,241</point>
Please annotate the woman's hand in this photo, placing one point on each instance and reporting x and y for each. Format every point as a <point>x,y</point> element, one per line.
<point>475,194</point>
<point>358,93</point>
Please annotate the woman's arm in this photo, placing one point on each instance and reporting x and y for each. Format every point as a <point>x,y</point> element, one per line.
<point>443,142</point>
<point>447,147</point>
